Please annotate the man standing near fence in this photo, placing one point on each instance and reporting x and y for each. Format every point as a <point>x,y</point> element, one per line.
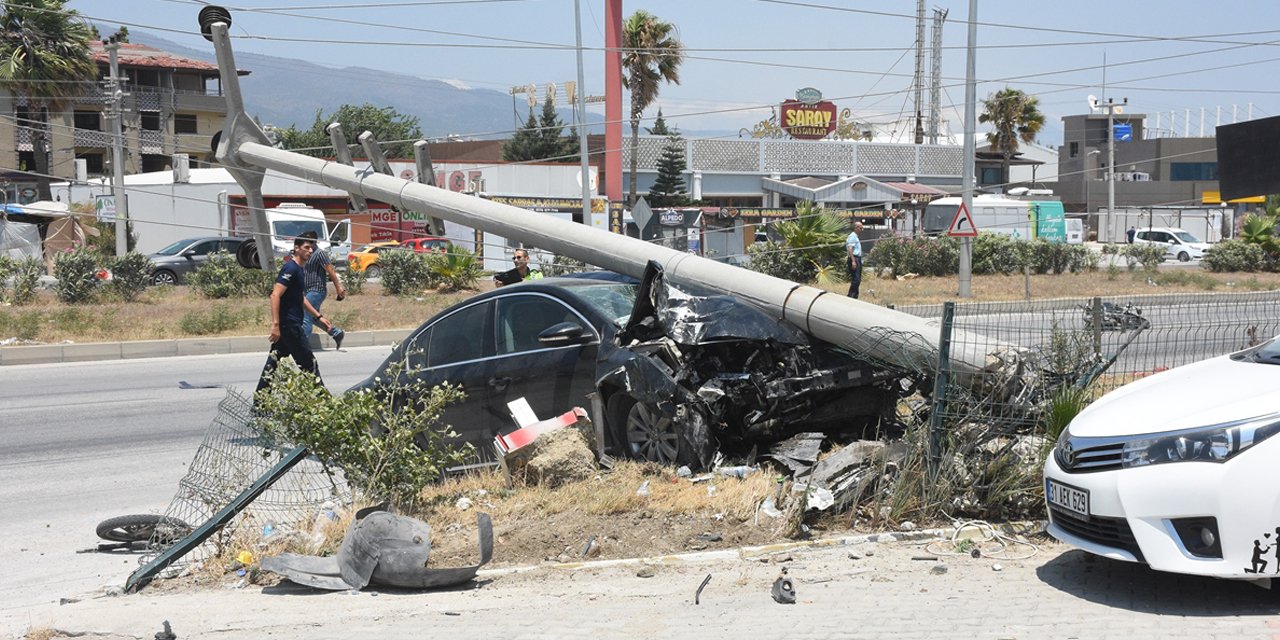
<point>853,246</point>
<point>318,271</point>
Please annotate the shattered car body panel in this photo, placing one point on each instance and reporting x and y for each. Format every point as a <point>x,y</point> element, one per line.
<point>722,373</point>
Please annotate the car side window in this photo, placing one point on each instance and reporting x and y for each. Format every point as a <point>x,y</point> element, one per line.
<point>415,353</point>
<point>521,318</point>
<point>205,248</point>
<point>460,336</point>
<point>229,246</point>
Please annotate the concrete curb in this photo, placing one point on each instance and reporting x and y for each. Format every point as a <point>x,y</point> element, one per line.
<point>761,551</point>
<point>86,352</point>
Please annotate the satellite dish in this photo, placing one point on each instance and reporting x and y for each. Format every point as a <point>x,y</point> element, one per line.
<point>1093,103</point>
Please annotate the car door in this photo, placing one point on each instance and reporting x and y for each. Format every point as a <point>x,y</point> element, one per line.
<point>457,348</point>
<point>552,379</point>
<point>340,242</point>
<point>196,256</point>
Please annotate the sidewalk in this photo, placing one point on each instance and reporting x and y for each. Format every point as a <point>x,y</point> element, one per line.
<point>75,352</point>
<point>885,589</point>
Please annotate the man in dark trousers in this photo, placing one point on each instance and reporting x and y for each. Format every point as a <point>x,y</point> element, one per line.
<point>853,247</point>
<point>288,303</point>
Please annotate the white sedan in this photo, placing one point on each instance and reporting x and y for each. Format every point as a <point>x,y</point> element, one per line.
<point>1178,470</point>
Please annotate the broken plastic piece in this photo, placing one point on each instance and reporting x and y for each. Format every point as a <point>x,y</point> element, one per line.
<point>380,548</point>
<point>697,596</point>
<point>784,592</point>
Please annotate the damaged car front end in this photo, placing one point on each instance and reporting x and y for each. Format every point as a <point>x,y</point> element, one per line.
<point>709,373</point>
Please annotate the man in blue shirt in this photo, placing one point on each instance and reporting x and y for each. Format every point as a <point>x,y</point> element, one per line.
<point>853,246</point>
<point>288,304</point>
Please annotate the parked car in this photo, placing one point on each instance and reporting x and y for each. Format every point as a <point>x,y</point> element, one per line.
<point>426,244</point>
<point>678,376</point>
<point>366,258</point>
<point>172,264</point>
<point>1180,244</point>
<point>1177,470</point>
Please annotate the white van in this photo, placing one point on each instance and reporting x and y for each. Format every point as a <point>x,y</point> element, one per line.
<point>291,219</point>
<point>1075,230</point>
<point>1179,243</point>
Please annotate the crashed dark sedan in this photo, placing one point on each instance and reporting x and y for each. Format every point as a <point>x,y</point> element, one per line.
<point>678,376</point>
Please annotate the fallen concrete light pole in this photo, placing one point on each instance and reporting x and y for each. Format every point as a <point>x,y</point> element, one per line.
<point>866,329</point>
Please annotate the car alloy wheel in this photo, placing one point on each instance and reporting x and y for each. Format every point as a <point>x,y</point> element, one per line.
<point>164,278</point>
<point>373,271</point>
<point>645,432</point>
<point>1184,257</point>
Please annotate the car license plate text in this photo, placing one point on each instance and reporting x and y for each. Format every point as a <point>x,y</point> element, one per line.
<point>1075,501</point>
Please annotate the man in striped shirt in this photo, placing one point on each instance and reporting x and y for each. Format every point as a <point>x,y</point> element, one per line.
<point>317,270</point>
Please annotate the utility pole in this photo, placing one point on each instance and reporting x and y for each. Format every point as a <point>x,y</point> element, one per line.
<point>919,76</point>
<point>580,96</point>
<point>970,146</point>
<point>935,75</point>
<point>1112,109</point>
<point>116,113</point>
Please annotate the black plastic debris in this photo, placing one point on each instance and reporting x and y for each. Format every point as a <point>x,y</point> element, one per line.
<point>784,591</point>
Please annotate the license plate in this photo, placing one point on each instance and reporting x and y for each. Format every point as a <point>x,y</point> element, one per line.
<point>1074,501</point>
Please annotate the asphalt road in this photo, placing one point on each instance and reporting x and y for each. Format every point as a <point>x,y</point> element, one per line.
<point>87,441</point>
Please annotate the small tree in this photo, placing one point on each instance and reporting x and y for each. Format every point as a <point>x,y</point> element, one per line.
<point>659,127</point>
<point>395,130</point>
<point>669,189</point>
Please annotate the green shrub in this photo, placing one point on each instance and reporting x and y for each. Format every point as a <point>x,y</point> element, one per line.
<point>403,272</point>
<point>1148,255</point>
<point>1234,255</point>
<point>388,441</point>
<point>26,277</point>
<point>454,270</point>
<point>76,272</point>
<point>223,277</point>
<point>130,275</point>
<point>353,281</point>
<point>217,319</point>
<point>774,259</point>
<point>923,256</point>
<point>999,253</point>
<point>558,265</point>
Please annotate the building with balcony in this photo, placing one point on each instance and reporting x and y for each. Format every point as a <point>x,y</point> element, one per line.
<point>171,105</point>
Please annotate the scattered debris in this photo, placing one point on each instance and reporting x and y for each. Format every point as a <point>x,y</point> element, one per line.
<point>384,549</point>
<point>784,591</point>
<point>925,558</point>
<point>645,572</point>
<point>591,549</point>
<point>739,471</point>
<point>545,451</point>
<point>644,489</point>
<point>938,569</point>
<point>697,596</point>
<point>710,537</point>
<point>166,633</point>
<point>463,504</point>
<point>768,508</point>
<point>997,567</point>
<point>798,452</point>
<point>907,525</point>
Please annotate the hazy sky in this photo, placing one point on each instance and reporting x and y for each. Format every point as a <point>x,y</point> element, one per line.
<point>746,55</point>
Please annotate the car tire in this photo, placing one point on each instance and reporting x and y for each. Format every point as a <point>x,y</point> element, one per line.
<point>164,277</point>
<point>1184,257</point>
<point>641,432</point>
<point>372,271</point>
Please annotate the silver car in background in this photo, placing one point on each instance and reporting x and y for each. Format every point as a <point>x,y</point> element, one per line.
<point>175,262</point>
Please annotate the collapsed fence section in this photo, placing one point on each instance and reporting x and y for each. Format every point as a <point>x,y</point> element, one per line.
<point>238,480</point>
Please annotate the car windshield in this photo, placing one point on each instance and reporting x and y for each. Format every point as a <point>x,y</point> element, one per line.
<point>173,249</point>
<point>1186,237</point>
<point>289,229</point>
<point>613,299</point>
<point>1267,353</point>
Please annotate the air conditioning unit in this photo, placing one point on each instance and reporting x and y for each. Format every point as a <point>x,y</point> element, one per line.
<point>181,168</point>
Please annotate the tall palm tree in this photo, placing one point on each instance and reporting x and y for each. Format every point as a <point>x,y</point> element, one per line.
<point>1014,116</point>
<point>46,52</point>
<point>652,54</point>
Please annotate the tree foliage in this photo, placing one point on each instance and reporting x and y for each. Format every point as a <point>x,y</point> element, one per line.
<point>652,54</point>
<point>45,49</point>
<point>542,139</point>
<point>669,189</point>
<point>812,246</point>
<point>1014,117</point>
<point>396,131</point>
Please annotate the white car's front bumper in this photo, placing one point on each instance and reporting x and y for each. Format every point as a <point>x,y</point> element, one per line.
<point>1134,514</point>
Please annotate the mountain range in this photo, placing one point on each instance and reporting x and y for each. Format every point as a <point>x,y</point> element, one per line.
<point>289,91</point>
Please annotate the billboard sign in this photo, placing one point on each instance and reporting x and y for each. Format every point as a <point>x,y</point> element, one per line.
<point>808,116</point>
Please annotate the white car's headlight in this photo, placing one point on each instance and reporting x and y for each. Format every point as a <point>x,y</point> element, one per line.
<point>1214,443</point>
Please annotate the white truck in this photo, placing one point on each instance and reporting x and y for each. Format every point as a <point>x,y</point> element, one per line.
<point>291,219</point>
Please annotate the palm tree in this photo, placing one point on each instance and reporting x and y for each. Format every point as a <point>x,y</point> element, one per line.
<point>652,54</point>
<point>1015,117</point>
<point>46,52</point>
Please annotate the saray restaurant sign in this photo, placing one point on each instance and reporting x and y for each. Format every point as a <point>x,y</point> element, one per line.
<point>808,117</point>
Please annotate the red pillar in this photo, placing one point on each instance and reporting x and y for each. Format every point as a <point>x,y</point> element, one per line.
<point>613,100</point>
